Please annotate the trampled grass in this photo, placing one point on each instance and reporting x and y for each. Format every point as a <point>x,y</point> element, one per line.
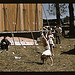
<point>64,58</point>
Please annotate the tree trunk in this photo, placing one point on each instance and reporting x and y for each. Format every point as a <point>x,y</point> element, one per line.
<point>58,14</point>
<point>71,12</point>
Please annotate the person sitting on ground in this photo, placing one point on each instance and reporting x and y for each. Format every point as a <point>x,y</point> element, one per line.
<point>50,40</point>
<point>5,43</point>
<point>47,53</point>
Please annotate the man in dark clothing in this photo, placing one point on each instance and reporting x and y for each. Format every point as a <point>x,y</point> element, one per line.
<point>58,35</point>
<point>5,43</point>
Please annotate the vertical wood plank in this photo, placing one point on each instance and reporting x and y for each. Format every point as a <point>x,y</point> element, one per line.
<point>21,17</point>
<point>1,18</point>
<point>33,12</point>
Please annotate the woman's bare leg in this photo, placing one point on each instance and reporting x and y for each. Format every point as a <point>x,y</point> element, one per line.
<point>51,46</point>
<point>51,61</point>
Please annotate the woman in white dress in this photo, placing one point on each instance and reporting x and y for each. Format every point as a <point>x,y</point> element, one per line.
<point>47,53</point>
<point>50,39</point>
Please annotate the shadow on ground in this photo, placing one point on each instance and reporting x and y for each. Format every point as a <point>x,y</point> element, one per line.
<point>70,52</point>
<point>39,63</point>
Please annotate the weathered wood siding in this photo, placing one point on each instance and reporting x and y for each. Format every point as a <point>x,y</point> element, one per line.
<point>22,17</point>
<point>1,18</point>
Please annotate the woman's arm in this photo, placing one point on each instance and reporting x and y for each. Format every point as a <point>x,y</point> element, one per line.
<point>44,40</point>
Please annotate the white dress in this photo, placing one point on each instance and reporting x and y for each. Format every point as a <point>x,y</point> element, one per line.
<point>47,50</point>
<point>50,39</point>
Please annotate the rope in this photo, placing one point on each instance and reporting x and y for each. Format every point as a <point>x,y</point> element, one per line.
<point>20,22</point>
<point>16,17</point>
<point>30,29</point>
<point>38,20</point>
<point>10,28</point>
<point>45,15</point>
<point>20,25</point>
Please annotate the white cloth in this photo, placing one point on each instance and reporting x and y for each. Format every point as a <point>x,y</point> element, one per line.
<point>46,32</point>
<point>42,34</point>
<point>60,29</point>
<point>50,39</point>
<point>51,29</point>
<point>47,47</point>
<point>47,52</point>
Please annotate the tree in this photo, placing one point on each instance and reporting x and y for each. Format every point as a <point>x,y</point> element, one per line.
<point>71,19</point>
<point>58,13</point>
<point>60,10</point>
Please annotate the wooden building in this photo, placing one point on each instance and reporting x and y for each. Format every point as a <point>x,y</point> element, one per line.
<point>22,17</point>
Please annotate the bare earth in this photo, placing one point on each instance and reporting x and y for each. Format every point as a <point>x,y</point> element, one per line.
<point>29,61</point>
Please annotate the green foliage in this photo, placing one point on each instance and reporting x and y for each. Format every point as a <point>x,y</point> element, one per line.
<point>52,8</point>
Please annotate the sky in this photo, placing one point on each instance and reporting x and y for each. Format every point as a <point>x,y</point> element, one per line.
<point>45,5</point>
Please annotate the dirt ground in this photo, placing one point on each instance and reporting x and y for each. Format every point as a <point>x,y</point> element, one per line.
<point>29,61</point>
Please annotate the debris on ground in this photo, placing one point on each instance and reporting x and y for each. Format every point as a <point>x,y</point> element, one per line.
<point>64,65</point>
<point>36,55</point>
<point>38,47</point>
<point>60,46</point>
<point>1,51</point>
<point>24,46</point>
<point>58,54</point>
<point>17,57</point>
<point>38,39</point>
<point>13,53</point>
<point>68,46</point>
